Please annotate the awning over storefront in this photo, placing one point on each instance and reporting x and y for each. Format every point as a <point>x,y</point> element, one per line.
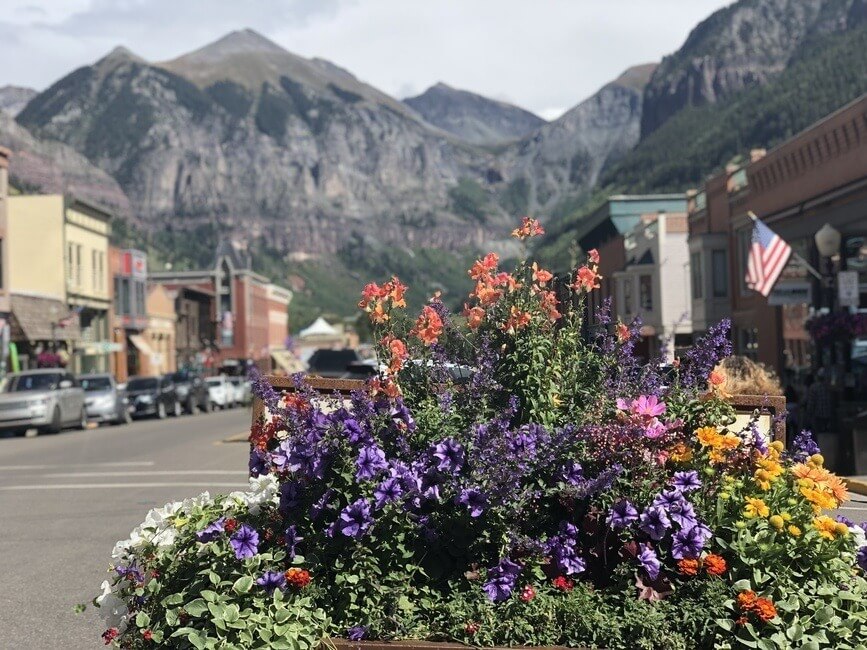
<point>32,319</point>
<point>288,362</point>
<point>141,345</point>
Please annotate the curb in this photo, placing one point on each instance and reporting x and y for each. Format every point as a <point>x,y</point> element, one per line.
<point>856,485</point>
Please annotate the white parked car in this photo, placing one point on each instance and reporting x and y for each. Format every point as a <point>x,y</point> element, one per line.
<point>242,390</point>
<point>220,392</point>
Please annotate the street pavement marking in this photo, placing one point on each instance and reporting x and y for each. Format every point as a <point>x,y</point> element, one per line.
<point>862,509</point>
<point>148,463</point>
<point>188,472</point>
<point>103,486</point>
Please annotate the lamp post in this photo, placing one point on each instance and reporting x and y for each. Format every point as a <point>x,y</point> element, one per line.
<point>828,240</point>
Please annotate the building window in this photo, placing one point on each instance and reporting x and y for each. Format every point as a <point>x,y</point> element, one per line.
<point>70,263</point>
<point>748,342</point>
<point>78,272</point>
<point>697,279</point>
<point>745,242</point>
<point>645,292</point>
<point>94,281</point>
<point>720,273</point>
<point>627,296</point>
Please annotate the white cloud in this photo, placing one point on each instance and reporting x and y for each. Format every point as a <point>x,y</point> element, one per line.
<point>543,55</point>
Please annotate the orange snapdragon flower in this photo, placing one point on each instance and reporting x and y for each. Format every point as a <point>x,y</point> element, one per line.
<point>374,297</point>
<point>541,276</point>
<point>593,254</point>
<point>506,280</point>
<point>387,387</point>
<point>474,316</point>
<point>622,332</point>
<point>484,267</point>
<point>529,228</point>
<point>549,303</point>
<point>586,279</point>
<point>486,292</point>
<point>429,326</point>
<point>397,350</point>
<point>518,319</point>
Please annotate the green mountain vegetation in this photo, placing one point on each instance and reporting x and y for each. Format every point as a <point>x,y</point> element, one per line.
<point>823,76</point>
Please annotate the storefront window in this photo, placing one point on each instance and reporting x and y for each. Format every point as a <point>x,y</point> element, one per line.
<point>748,342</point>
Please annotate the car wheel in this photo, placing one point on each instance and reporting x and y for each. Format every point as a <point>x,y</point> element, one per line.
<point>177,409</point>
<point>209,406</point>
<point>56,423</point>
<point>82,421</point>
<point>161,411</point>
<point>190,407</point>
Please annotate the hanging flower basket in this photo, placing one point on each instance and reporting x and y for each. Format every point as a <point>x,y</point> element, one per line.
<point>837,326</point>
<point>503,482</point>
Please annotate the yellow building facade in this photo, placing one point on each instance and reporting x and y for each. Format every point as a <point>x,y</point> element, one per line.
<point>59,281</point>
<point>160,337</point>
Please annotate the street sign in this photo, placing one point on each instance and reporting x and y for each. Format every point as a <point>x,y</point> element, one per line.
<point>791,292</point>
<point>848,291</point>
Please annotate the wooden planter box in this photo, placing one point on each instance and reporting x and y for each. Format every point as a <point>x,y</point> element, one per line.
<point>745,405</point>
<point>345,644</point>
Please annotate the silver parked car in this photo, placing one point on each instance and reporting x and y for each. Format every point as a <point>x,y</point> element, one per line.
<point>242,390</point>
<point>48,400</point>
<point>104,400</point>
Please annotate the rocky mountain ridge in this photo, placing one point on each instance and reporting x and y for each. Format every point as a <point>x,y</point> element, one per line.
<point>15,98</point>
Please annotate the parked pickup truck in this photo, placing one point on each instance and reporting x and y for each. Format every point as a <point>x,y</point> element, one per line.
<point>47,400</point>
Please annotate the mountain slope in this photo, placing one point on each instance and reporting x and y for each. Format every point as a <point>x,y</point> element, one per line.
<point>565,157</point>
<point>262,142</point>
<point>473,118</point>
<point>14,98</point>
<point>739,47</point>
<point>51,167</point>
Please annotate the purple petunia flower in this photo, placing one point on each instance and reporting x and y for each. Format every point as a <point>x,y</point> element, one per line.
<point>292,539</point>
<point>131,572</point>
<point>688,543</point>
<point>803,446</point>
<point>356,632</point>
<point>686,481</point>
<point>844,520</point>
<point>861,558</point>
<point>501,580</point>
<point>474,500</point>
<point>271,581</point>
<point>353,430</point>
<point>654,522</point>
<point>355,519</point>
<point>572,473</point>
<point>289,497</point>
<point>258,463</point>
<point>321,504</point>
<point>245,542</point>
<point>212,531</point>
<point>371,461</point>
<point>388,491</point>
<point>649,561</point>
<point>621,515</point>
<point>450,455</point>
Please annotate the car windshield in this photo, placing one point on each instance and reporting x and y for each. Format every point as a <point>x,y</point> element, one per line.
<point>142,383</point>
<point>93,384</point>
<point>179,376</point>
<point>41,381</point>
<point>214,381</point>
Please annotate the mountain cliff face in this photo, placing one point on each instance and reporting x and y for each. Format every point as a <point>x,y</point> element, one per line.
<point>473,118</point>
<point>52,167</point>
<point>739,47</point>
<point>246,135</point>
<point>566,156</point>
<point>14,98</point>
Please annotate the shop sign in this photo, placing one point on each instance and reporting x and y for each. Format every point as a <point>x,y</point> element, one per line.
<point>791,292</point>
<point>848,291</point>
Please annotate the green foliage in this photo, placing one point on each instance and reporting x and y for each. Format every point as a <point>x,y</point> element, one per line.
<point>231,96</point>
<point>469,199</point>
<point>515,199</point>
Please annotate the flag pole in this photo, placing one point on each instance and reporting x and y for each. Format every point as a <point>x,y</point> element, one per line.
<point>806,264</point>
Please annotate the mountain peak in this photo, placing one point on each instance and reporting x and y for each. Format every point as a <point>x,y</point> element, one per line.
<point>241,41</point>
<point>121,54</point>
<point>636,77</point>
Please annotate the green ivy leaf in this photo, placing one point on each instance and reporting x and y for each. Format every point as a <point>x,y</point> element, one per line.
<point>243,584</point>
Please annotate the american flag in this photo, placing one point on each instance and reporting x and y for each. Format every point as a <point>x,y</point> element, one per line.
<point>767,258</point>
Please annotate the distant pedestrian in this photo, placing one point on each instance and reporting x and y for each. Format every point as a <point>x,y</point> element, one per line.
<point>819,406</point>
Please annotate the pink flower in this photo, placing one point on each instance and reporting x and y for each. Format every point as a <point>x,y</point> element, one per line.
<point>647,406</point>
<point>655,428</point>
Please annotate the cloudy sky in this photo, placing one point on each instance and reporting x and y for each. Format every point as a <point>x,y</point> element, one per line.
<point>544,55</point>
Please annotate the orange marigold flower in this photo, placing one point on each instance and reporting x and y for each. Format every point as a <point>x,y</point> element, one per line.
<point>765,609</point>
<point>622,332</point>
<point>708,437</point>
<point>297,577</point>
<point>586,279</point>
<point>529,228</point>
<point>549,303</point>
<point>747,600</point>
<point>593,254</point>
<point>688,566</point>
<point>485,266</point>
<point>429,326</point>
<point>474,316</point>
<point>541,276</point>
<point>715,565</point>
<point>680,453</point>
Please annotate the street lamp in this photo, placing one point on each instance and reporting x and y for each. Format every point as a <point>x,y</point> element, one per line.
<point>828,240</point>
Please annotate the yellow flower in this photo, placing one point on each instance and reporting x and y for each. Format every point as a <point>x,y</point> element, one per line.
<point>777,522</point>
<point>708,436</point>
<point>786,516</point>
<point>556,401</point>
<point>794,531</point>
<point>842,529</point>
<point>756,508</point>
<point>680,453</point>
<point>777,446</point>
<point>826,526</point>
<point>817,460</point>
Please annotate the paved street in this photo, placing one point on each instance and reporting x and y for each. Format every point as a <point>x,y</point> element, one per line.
<point>65,499</point>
